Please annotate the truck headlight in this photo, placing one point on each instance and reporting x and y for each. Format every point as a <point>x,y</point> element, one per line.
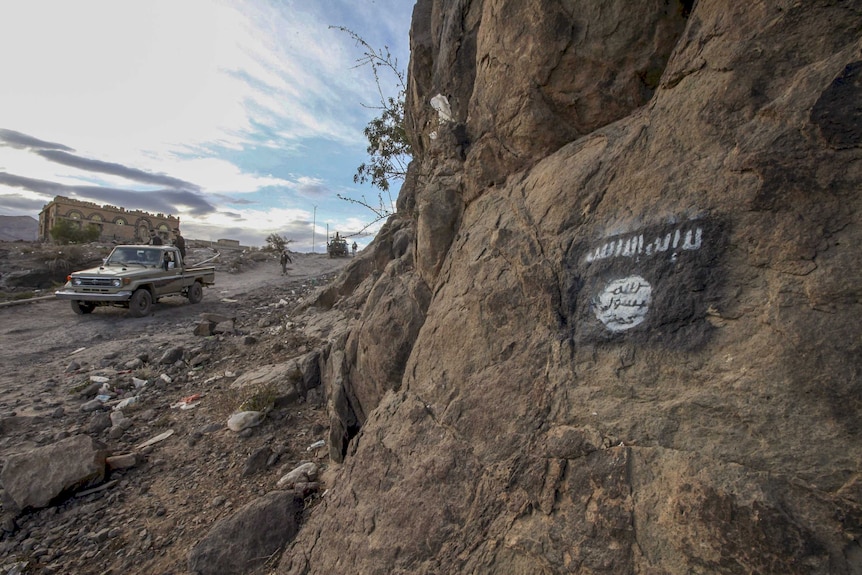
<point>116,283</point>
<point>76,281</point>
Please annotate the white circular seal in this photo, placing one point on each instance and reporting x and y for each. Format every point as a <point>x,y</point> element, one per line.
<point>624,303</point>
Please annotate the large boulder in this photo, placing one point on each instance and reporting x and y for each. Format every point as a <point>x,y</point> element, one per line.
<point>34,478</point>
<point>249,537</point>
<point>641,351</point>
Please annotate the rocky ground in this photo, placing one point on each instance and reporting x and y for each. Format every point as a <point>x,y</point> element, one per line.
<point>65,375</point>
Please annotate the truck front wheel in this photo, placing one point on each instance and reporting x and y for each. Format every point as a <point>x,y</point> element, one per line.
<point>139,304</point>
<point>82,307</point>
<point>196,292</point>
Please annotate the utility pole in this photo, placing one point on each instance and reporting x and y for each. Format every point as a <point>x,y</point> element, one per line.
<point>313,225</point>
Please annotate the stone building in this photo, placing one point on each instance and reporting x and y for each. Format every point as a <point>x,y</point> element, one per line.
<point>115,224</point>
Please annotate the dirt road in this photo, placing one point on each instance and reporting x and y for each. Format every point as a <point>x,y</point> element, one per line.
<point>37,340</point>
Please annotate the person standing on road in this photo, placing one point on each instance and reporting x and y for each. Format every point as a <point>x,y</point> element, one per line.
<point>180,243</point>
<point>354,246</point>
<point>285,257</point>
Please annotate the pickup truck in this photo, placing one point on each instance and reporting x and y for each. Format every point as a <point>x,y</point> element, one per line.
<point>134,277</point>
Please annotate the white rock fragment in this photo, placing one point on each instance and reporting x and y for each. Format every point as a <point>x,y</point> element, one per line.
<point>305,473</point>
<point>156,439</point>
<point>127,402</point>
<point>244,419</point>
<point>444,111</point>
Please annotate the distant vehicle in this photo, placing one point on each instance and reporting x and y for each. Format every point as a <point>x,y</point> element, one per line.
<point>337,247</point>
<point>135,277</point>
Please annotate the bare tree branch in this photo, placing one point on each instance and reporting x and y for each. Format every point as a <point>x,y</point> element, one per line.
<point>388,149</point>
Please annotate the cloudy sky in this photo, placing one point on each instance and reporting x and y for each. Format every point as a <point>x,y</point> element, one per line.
<point>238,116</point>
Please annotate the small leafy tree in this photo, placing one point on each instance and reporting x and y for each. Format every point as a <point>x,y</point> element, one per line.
<point>276,242</point>
<point>91,233</point>
<point>68,232</point>
<point>388,148</point>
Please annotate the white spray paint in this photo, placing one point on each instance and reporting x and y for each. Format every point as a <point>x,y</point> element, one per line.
<point>624,303</point>
<point>634,246</point>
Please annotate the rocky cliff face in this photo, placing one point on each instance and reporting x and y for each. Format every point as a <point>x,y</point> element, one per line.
<point>615,325</point>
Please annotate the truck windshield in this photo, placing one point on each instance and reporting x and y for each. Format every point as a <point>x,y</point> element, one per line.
<point>134,256</point>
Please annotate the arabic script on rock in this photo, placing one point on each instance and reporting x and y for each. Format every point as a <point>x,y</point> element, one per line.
<point>624,303</point>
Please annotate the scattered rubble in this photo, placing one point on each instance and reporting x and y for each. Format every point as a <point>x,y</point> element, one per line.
<point>124,458</point>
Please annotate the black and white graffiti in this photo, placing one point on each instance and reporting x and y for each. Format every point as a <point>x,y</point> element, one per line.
<point>654,282</point>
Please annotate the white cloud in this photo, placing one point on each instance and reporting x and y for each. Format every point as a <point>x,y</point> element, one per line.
<point>190,89</point>
<point>267,221</point>
<point>115,78</point>
<point>218,176</point>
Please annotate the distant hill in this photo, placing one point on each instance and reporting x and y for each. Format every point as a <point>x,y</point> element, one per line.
<point>13,228</point>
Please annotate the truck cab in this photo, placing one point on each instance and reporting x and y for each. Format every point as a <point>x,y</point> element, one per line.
<point>135,276</point>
